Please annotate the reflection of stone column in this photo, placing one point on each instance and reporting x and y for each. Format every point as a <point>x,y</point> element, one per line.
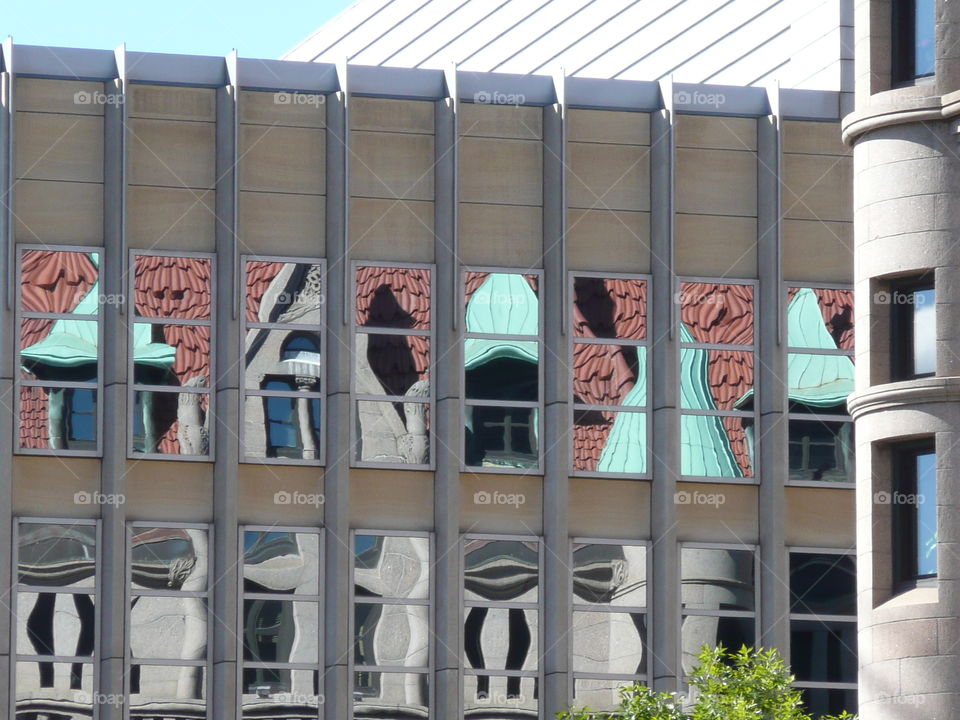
<point>307,441</point>
<point>711,581</point>
<point>192,427</point>
<point>195,618</point>
<point>151,439</point>
<point>56,425</point>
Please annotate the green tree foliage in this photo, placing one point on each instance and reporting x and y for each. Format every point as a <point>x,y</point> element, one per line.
<point>744,685</point>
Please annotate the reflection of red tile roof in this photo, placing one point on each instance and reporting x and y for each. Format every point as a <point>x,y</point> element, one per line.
<point>51,281</point>
<point>473,280</point>
<point>616,308</point>
<point>836,307</point>
<point>259,275</point>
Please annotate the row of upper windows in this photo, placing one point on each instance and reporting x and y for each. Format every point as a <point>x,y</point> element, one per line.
<point>283,315</point>
<point>281,633</point>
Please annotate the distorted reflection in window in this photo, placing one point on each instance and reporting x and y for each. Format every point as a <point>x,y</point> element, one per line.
<point>823,629</point>
<point>55,621</point>
<point>167,661</point>
<point>609,632</point>
<point>717,335</point>
<point>820,376</point>
<point>393,356</point>
<point>171,354</point>
<point>284,309</point>
<point>58,356</point>
<point>915,534</point>
<point>501,356</point>
<point>913,318</point>
<point>609,373</point>
<point>392,621</point>
<point>718,600</point>
<point>280,623</point>
<point>501,632</point>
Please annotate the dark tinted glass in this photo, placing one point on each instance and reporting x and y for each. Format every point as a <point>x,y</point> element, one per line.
<point>823,584</point>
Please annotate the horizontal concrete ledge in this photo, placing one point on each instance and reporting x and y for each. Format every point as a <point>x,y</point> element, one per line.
<point>900,394</point>
<point>855,124</point>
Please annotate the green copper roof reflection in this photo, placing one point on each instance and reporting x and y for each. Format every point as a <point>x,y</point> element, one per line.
<point>815,380</point>
<point>504,304</point>
<point>626,448</point>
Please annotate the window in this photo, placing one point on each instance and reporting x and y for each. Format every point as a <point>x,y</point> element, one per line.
<point>392,636</point>
<point>823,629</point>
<point>610,375</point>
<point>393,351</point>
<point>914,329</point>
<point>914,505</point>
<point>717,338</point>
<point>280,621</point>
<point>501,630</point>
<point>284,361</point>
<point>502,373</point>
<point>55,617</point>
<point>914,39</point>
<point>171,355</point>
<point>820,376</point>
<point>718,599</point>
<point>610,620</point>
<point>167,663</point>
<point>58,356</point>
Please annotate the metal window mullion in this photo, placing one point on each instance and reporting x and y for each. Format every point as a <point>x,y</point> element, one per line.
<point>612,408</point>
<point>502,403</point>
<point>609,609</point>
<point>403,332</point>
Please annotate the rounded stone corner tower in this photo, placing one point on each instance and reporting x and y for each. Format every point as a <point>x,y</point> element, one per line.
<point>905,131</point>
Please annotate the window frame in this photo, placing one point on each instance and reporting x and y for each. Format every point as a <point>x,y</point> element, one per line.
<point>16,658</point>
<point>430,603</point>
<point>815,617</point>
<point>18,383</point>
<point>903,58</point>
<point>902,337</point>
<point>818,416</point>
<point>753,349</point>
<point>904,525</point>
<point>538,607</point>
<point>129,593</point>
<point>573,341</point>
<point>356,397</point>
<point>581,606</point>
<point>318,600</point>
<point>538,406</point>
<point>133,387</point>
<point>245,393</point>
<point>754,615</point>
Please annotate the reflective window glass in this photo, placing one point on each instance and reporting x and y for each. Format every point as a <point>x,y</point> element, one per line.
<point>43,685</point>
<point>608,574</point>
<point>276,561</point>
<point>822,584</point>
<point>499,696</point>
<point>391,567</point>
<point>717,579</point>
<point>609,643</point>
<point>714,630</point>
<point>153,686</point>
<point>913,335</point>
<point>823,651</point>
<point>388,695</point>
<point>501,570</point>
<point>57,554</point>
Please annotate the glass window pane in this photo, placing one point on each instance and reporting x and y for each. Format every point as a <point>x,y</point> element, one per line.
<point>610,375</point>
<point>820,318</point>
<point>610,308</point>
<point>819,383</point>
<point>391,567</point>
<point>59,350</point>
<point>171,423</point>
<point>699,630</point>
<point>717,579</point>
<point>47,689</point>
<point>926,468</point>
<point>156,690</point>
<point>386,696</point>
<point>507,697</point>
<point>51,623</point>
<point>713,446</point>
<point>390,432</point>
<point>823,651</point>
<point>58,418</point>
<point>924,332</point>
<point>500,638</point>
<point>512,375</point>
<point>602,695</point>
<point>609,643</point>
<point>614,442</point>
<point>821,451</point>
<point>172,287</point>
<point>171,354</point>
<point>505,437</point>
<point>281,562</point>
<point>280,693</point>
<point>282,292</point>
<point>924,37</point>
<point>716,313</point>
<point>501,570</point>
<point>823,584</point>
<point>391,635</point>
<point>282,426</point>
<point>169,558</point>
<point>392,364</point>
<point>168,627</point>
<point>716,379</point>
<point>501,304</point>
<point>60,281</point>
<point>829,701</point>
<point>291,358</point>
<point>393,297</point>
<point>56,555</point>
<point>280,631</point>
<point>609,574</point>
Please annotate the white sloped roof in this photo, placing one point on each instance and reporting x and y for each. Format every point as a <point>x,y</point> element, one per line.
<point>802,43</point>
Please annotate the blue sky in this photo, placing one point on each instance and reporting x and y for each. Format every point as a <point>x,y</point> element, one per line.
<point>201,27</point>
